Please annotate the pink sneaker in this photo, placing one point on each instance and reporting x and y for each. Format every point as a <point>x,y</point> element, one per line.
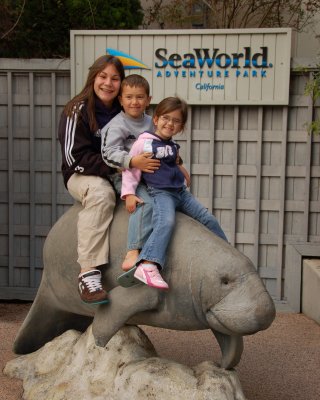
<point>149,274</point>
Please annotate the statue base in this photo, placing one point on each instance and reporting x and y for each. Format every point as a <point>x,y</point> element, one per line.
<point>72,367</point>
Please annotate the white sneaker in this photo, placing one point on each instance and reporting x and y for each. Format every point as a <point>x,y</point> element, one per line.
<point>149,274</point>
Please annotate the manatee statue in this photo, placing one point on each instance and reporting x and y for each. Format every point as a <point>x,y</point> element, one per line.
<point>212,285</point>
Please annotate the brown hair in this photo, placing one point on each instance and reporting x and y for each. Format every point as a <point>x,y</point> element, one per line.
<point>87,93</point>
<point>135,80</point>
<point>170,104</point>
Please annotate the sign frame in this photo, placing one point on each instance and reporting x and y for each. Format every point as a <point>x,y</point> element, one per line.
<point>203,66</point>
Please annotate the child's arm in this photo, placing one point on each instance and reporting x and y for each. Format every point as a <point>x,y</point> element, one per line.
<point>183,170</point>
<point>113,140</point>
<point>185,174</point>
<point>114,153</point>
<point>131,178</point>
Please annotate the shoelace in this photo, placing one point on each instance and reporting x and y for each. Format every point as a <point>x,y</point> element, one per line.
<point>93,283</point>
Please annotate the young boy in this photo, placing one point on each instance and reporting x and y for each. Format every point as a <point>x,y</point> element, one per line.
<point>117,138</point>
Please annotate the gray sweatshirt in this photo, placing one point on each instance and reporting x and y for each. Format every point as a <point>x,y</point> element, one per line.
<point>118,136</point>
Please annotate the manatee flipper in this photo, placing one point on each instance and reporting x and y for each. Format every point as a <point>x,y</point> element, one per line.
<point>231,349</point>
<point>125,303</point>
<point>44,322</point>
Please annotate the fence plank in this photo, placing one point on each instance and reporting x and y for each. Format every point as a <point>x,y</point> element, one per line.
<point>211,158</point>
<point>10,183</point>
<point>32,181</point>
<point>308,162</point>
<point>234,177</point>
<point>282,204</point>
<point>258,188</point>
<point>53,149</point>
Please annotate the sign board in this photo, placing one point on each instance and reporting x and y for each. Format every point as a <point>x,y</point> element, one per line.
<point>239,67</point>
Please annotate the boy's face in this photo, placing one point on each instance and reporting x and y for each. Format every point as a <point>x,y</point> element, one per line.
<point>134,101</point>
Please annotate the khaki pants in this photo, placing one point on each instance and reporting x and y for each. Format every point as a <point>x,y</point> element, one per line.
<point>98,200</point>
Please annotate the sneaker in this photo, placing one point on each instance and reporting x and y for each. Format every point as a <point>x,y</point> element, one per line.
<point>90,288</point>
<point>149,274</point>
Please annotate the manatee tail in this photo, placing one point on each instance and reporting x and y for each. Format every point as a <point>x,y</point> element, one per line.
<point>43,323</point>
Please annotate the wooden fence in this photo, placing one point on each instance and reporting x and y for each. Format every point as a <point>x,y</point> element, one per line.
<point>255,167</point>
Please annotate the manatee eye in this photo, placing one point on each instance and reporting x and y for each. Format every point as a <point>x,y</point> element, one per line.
<point>225,280</point>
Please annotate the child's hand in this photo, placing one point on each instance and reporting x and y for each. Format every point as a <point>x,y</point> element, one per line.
<point>145,163</point>
<point>131,202</point>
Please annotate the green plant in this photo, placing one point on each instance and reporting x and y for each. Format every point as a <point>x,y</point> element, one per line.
<point>41,29</point>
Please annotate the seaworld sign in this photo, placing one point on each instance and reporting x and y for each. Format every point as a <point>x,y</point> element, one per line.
<point>202,66</point>
<point>202,57</point>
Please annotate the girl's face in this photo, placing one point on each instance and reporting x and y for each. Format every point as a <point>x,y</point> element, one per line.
<point>169,124</point>
<point>107,85</point>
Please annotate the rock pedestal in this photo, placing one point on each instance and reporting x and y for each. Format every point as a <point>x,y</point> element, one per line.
<point>72,367</point>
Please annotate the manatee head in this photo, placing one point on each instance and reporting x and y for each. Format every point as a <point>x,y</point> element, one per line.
<point>228,294</point>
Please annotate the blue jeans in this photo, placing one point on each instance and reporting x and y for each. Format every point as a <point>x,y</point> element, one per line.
<point>165,204</point>
<point>140,222</point>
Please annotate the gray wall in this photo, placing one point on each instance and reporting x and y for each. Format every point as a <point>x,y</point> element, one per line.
<point>255,167</point>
